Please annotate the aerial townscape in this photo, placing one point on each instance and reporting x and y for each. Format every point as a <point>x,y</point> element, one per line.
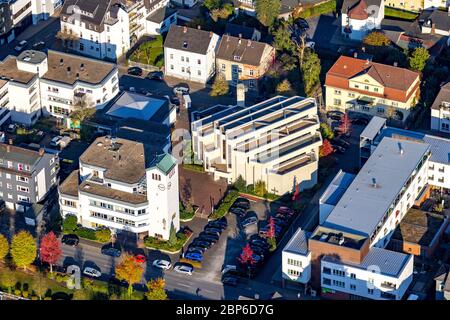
<point>254,150</point>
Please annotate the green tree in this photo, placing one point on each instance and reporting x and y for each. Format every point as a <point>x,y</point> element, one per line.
<point>173,235</point>
<point>240,184</point>
<point>4,247</point>
<point>310,71</point>
<point>260,188</point>
<point>212,4</point>
<point>285,88</point>
<point>23,249</point>
<point>267,11</point>
<point>70,224</point>
<point>326,131</point>
<point>156,289</point>
<point>219,87</point>
<point>418,59</point>
<point>103,235</point>
<point>222,13</point>
<point>377,39</point>
<point>282,40</point>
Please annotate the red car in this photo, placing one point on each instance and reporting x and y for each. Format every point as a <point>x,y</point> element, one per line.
<point>140,258</point>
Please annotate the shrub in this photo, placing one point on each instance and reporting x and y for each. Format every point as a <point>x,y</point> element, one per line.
<point>86,233</point>
<point>103,234</point>
<point>18,292</point>
<point>25,294</point>
<point>225,205</point>
<point>70,224</point>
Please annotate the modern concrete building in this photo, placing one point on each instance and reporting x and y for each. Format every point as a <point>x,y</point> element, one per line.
<point>276,141</point>
<point>440,110</point>
<point>359,17</point>
<point>26,175</point>
<point>371,88</point>
<point>190,54</point>
<point>442,280</point>
<point>124,185</point>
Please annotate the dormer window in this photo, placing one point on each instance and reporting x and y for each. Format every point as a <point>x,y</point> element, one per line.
<point>237,58</point>
<point>185,44</point>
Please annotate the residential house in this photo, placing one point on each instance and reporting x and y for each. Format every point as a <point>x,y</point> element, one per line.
<point>440,110</point>
<point>275,141</point>
<point>434,4</point>
<point>407,5</point>
<point>190,54</point>
<point>125,185</point>
<point>160,20</point>
<point>26,176</point>
<point>359,17</point>
<point>438,22</point>
<point>372,88</point>
<point>243,61</point>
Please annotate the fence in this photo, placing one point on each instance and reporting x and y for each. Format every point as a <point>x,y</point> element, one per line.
<point>143,66</point>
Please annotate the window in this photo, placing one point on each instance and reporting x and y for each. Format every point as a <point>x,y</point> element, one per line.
<point>187,59</point>
<point>352,287</point>
<point>171,67</point>
<point>22,179</point>
<point>156,177</point>
<point>8,176</point>
<point>224,67</point>
<point>337,102</point>
<point>366,87</point>
<point>370,291</point>
<point>375,89</point>
<point>340,273</point>
<point>182,59</point>
<point>294,273</point>
<point>199,61</point>
<point>338,283</point>
<point>352,275</point>
<point>23,189</point>
<point>380,110</point>
<point>23,198</point>
<point>326,281</point>
<point>338,92</point>
<point>199,73</point>
<point>326,270</point>
<point>294,262</point>
<point>9,186</point>
<point>356,86</point>
<point>251,72</point>
<point>182,69</point>
<point>171,56</point>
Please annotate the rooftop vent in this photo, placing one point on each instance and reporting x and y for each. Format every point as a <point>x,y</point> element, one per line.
<point>61,61</point>
<point>82,66</point>
<point>374,183</point>
<point>68,69</point>
<point>199,27</point>
<point>185,44</point>
<point>99,144</point>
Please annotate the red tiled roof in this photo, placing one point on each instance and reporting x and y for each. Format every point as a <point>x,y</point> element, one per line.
<point>396,81</point>
<point>359,12</point>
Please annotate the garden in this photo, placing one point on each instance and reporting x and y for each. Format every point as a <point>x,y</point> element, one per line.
<point>70,226</point>
<point>150,52</point>
<point>176,241</point>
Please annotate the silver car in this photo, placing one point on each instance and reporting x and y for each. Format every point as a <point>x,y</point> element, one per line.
<point>92,272</point>
<point>162,264</point>
<point>184,269</point>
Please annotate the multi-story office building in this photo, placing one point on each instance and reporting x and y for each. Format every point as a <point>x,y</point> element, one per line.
<point>348,255</point>
<point>276,141</point>
<point>55,84</point>
<point>243,61</point>
<point>106,29</point>
<point>372,88</point>
<point>440,110</point>
<point>26,175</point>
<point>124,185</point>
<point>190,54</point>
<point>438,164</point>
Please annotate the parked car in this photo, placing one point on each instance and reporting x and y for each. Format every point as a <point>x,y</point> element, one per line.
<point>180,90</point>
<point>230,281</point>
<point>222,222</point>
<point>360,121</point>
<point>283,217</point>
<point>92,272</point>
<point>135,71</point>
<point>249,221</point>
<point>109,250</point>
<point>21,46</point>
<point>213,229</point>
<point>194,256</point>
<point>238,211</point>
<point>228,267</point>
<point>279,222</point>
<point>55,141</point>
<point>140,258</point>
<point>213,224</point>
<point>11,128</point>
<point>262,243</point>
<point>206,235</point>
<point>195,249</point>
<point>242,203</point>
<point>286,210</point>
<point>258,250</point>
<point>132,89</point>
<point>335,115</point>
<point>155,75</point>
<point>184,268</point>
<point>213,232</point>
<point>70,240</point>
<point>162,264</point>
<point>201,243</point>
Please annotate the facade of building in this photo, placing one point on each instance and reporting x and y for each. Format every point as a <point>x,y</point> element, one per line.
<point>359,17</point>
<point>440,110</point>
<point>190,54</point>
<point>124,185</point>
<point>407,5</point>
<point>296,258</point>
<point>16,16</point>
<point>243,61</point>
<point>434,4</point>
<point>372,88</point>
<point>438,164</point>
<point>26,175</point>
<point>185,3</point>
<point>276,141</point>
<point>54,84</point>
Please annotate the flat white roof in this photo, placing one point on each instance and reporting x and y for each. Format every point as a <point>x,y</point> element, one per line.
<point>376,186</point>
<point>132,105</point>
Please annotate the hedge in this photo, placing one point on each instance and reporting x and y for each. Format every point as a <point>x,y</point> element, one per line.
<point>399,14</point>
<point>70,226</point>
<point>225,205</point>
<point>159,244</point>
<point>318,10</point>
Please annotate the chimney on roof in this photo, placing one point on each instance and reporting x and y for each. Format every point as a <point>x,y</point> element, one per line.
<point>355,54</point>
<point>41,152</point>
<point>61,62</point>
<point>82,67</point>
<point>210,34</point>
<point>395,63</point>
<point>199,27</point>
<point>184,29</point>
<point>374,183</point>
<point>240,35</point>
<point>8,148</point>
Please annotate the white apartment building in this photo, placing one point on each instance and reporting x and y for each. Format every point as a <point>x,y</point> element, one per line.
<point>440,110</point>
<point>126,186</point>
<point>190,54</point>
<point>359,17</point>
<point>55,84</point>
<point>438,164</point>
<point>296,259</point>
<point>434,4</point>
<point>106,29</point>
<point>276,141</point>
<point>358,215</point>
<point>43,9</point>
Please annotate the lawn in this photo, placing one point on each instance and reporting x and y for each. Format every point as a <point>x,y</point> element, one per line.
<point>150,52</point>
<point>314,11</point>
<point>399,14</point>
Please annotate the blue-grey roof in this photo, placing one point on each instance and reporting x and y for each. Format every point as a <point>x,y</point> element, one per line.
<point>337,188</point>
<point>132,105</point>
<point>386,262</point>
<point>298,244</point>
<point>373,127</point>
<point>440,147</point>
<point>376,186</point>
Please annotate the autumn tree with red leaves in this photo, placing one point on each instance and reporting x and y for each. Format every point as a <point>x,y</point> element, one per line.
<point>271,235</point>
<point>346,125</point>
<point>246,256</point>
<point>50,249</point>
<point>326,148</point>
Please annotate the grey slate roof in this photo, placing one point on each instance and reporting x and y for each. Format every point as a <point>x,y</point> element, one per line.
<point>443,96</point>
<point>18,154</point>
<point>96,9</point>
<point>161,14</point>
<point>376,186</point>
<point>440,19</point>
<point>298,244</point>
<point>197,41</point>
<point>235,30</point>
<point>389,263</point>
<point>241,50</point>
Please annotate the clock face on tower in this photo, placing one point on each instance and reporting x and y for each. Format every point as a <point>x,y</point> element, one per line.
<point>169,185</point>
<point>161,187</point>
